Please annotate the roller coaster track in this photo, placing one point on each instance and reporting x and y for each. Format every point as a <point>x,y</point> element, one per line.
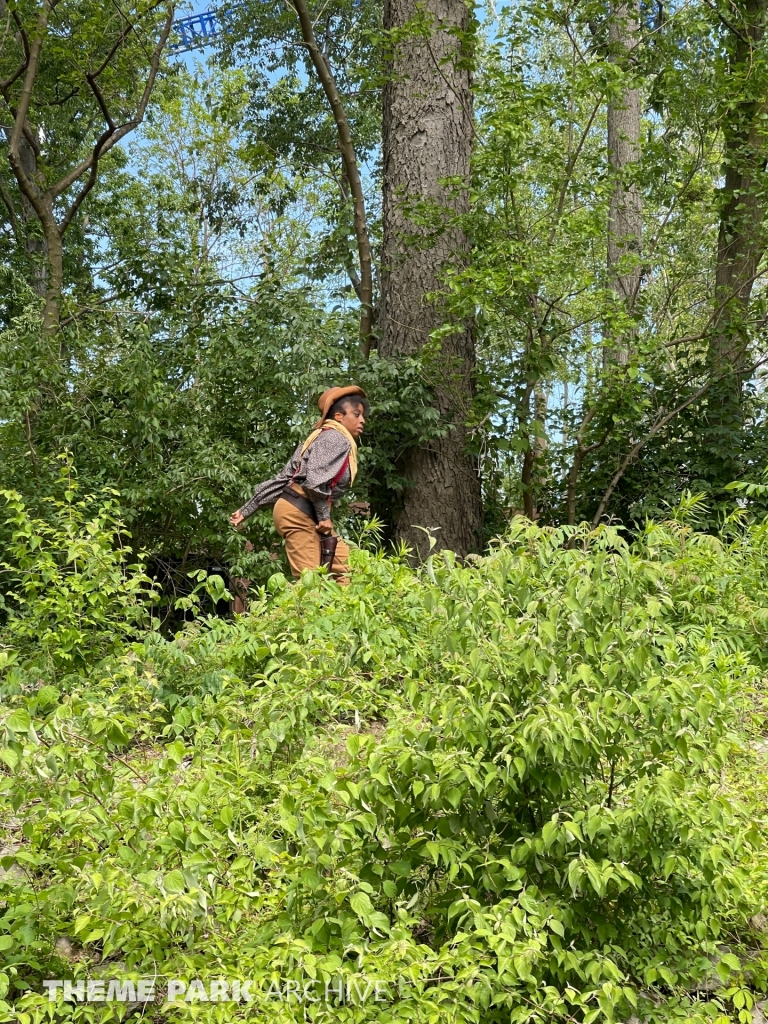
<point>198,30</point>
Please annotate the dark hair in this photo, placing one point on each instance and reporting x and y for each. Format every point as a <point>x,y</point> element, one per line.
<point>347,402</point>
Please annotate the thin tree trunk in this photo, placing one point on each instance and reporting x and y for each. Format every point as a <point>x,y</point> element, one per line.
<point>351,170</point>
<point>23,135</point>
<point>625,214</point>
<point>540,409</point>
<point>526,473</point>
<point>537,446</point>
<point>34,246</point>
<point>573,478</point>
<point>742,235</point>
<point>427,138</point>
<point>55,275</point>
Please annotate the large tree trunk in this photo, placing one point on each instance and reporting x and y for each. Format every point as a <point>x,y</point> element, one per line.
<point>625,215</point>
<point>428,138</point>
<point>742,236</point>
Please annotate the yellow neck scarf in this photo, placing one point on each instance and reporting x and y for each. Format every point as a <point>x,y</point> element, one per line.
<point>335,425</point>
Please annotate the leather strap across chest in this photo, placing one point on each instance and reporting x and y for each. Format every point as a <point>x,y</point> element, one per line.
<point>345,464</point>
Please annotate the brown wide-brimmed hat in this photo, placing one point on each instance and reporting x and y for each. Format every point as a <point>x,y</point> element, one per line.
<point>326,400</point>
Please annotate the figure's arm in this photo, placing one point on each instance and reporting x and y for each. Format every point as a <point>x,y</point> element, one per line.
<point>265,494</point>
<point>262,497</point>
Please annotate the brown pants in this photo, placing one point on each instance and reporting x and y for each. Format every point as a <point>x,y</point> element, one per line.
<point>302,542</point>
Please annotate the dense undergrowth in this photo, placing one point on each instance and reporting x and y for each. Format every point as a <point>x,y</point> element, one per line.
<point>529,788</point>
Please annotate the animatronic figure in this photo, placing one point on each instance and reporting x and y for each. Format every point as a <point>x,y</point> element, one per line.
<point>319,472</point>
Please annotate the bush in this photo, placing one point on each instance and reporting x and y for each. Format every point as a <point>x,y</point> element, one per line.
<point>518,790</point>
<point>70,591</point>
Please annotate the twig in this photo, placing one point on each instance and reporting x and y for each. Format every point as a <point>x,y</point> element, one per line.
<point>657,426</point>
<point>91,743</point>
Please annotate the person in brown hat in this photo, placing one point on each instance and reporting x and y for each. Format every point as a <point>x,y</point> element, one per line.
<point>318,473</point>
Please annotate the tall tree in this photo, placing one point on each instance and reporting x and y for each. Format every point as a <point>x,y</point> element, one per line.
<point>742,237</point>
<point>625,215</point>
<point>427,143</point>
<point>69,72</point>
<point>313,74</point>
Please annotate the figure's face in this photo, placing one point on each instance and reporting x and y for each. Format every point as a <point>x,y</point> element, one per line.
<point>353,418</point>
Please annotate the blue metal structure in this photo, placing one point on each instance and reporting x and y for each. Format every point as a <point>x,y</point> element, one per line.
<point>196,31</point>
<point>199,30</point>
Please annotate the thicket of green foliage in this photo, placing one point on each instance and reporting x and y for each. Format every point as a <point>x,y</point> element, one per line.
<point>526,788</point>
<point>207,291</point>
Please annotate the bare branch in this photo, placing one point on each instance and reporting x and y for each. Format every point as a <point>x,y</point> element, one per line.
<point>347,150</point>
<point>118,43</point>
<point>104,138</point>
<point>113,135</point>
<point>22,34</point>
<point>569,168</point>
<point>91,80</point>
<point>727,23</point>
<point>661,422</point>
<point>20,118</point>
<point>4,86</point>
<point>354,277</point>
<point>705,332</point>
<point>88,309</point>
<point>123,15</point>
<point>62,99</point>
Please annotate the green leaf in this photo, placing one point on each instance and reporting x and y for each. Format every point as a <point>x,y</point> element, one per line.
<point>173,882</point>
<point>175,751</point>
<point>9,757</point>
<point>19,721</point>
<point>361,904</point>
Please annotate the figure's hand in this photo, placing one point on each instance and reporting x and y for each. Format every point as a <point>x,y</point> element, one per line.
<point>324,526</point>
<point>237,519</point>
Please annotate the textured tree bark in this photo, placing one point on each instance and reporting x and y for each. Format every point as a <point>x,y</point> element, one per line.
<point>742,236</point>
<point>36,247</point>
<point>427,138</point>
<point>741,239</point>
<point>625,214</point>
<point>54,283</point>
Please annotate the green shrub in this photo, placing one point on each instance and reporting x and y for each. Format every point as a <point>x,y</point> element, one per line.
<point>71,592</point>
<point>524,789</point>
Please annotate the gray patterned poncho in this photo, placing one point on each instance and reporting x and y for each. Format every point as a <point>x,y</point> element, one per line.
<point>313,471</point>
